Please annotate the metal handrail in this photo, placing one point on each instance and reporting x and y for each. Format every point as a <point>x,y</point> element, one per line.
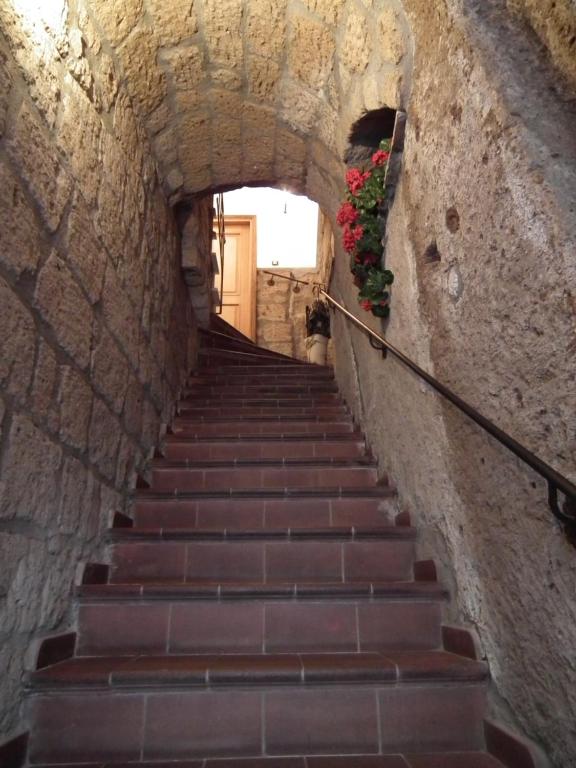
<point>285,277</point>
<point>556,482</point>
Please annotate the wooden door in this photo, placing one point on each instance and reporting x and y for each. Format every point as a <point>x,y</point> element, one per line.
<point>239,285</point>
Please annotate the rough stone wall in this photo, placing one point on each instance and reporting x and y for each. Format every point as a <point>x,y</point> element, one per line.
<point>95,327</point>
<point>554,22</point>
<point>490,178</point>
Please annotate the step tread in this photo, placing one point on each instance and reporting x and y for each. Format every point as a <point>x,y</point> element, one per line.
<point>273,493</point>
<point>435,760</point>
<point>151,533</point>
<point>170,590</point>
<point>362,462</point>
<point>297,669</point>
<point>291,437</point>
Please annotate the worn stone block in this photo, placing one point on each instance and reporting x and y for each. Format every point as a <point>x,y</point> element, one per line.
<point>173,21</point>
<point>30,473</point>
<point>262,76</point>
<point>119,315</point>
<point>84,252</point>
<point>103,439</point>
<point>298,107</point>
<point>76,498</point>
<point>75,399</point>
<point>185,66</point>
<point>118,17</point>
<point>63,306</point>
<point>311,52</point>
<point>36,158</point>
<point>44,395</point>
<point>21,236</point>
<point>17,343</point>
<point>357,44</point>
<point>5,89</point>
<point>266,27</point>
<point>391,36</point>
<point>110,371</point>
<point>329,10</point>
<point>146,82</point>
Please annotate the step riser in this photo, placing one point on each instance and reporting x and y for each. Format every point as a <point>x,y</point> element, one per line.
<point>258,627</point>
<point>262,562</point>
<point>228,451</point>
<point>265,513</point>
<point>262,400</point>
<point>286,721</point>
<point>271,428</point>
<point>275,391</point>
<point>252,477</point>
<point>246,412</point>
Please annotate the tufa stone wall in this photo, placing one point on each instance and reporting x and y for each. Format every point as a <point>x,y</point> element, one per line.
<point>96,334</point>
<point>489,174</point>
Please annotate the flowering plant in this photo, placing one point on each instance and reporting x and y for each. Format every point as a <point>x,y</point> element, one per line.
<point>361,236</point>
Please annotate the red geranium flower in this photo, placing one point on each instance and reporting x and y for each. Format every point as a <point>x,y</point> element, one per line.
<point>369,259</point>
<point>355,179</point>
<point>351,236</point>
<point>366,304</point>
<point>347,214</point>
<point>380,157</point>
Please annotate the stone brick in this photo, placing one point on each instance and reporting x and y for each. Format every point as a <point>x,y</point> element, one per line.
<point>31,149</point>
<point>80,147</point>
<point>290,155</point>
<point>118,17</point>
<point>22,239</point>
<point>75,399</point>
<point>145,80</point>
<point>231,79</point>
<point>266,27</point>
<point>103,439</point>
<point>263,76</point>
<point>133,408</point>
<point>17,343</point>
<point>299,108</point>
<point>44,396</point>
<point>5,89</point>
<point>110,371</point>
<point>84,252</point>
<point>64,307</point>
<point>76,499</point>
<point>128,132</point>
<point>390,36</point>
<point>356,47</point>
<point>329,10</point>
<point>119,315</point>
<point>106,82</point>
<point>185,66</point>
<point>223,29</point>
<point>173,21</point>
<point>30,474</point>
<point>310,52</point>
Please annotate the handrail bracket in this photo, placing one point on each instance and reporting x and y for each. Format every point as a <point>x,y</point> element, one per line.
<point>566,515</point>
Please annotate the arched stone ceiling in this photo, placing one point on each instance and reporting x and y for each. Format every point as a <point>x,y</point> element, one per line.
<point>254,91</point>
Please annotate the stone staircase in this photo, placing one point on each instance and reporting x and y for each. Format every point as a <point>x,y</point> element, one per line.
<point>263,606</point>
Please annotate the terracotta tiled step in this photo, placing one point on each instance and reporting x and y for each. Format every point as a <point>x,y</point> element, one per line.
<point>257,377</point>
<point>207,413</point>
<point>262,512</point>
<point>117,624</point>
<point>266,426</point>
<point>223,389</point>
<point>288,400</point>
<point>263,561</point>
<point>332,533</point>
<point>152,710</point>
<point>303,473</point>
<point>436,760</point>
<point>223,449</point>
<point>302,669</point>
